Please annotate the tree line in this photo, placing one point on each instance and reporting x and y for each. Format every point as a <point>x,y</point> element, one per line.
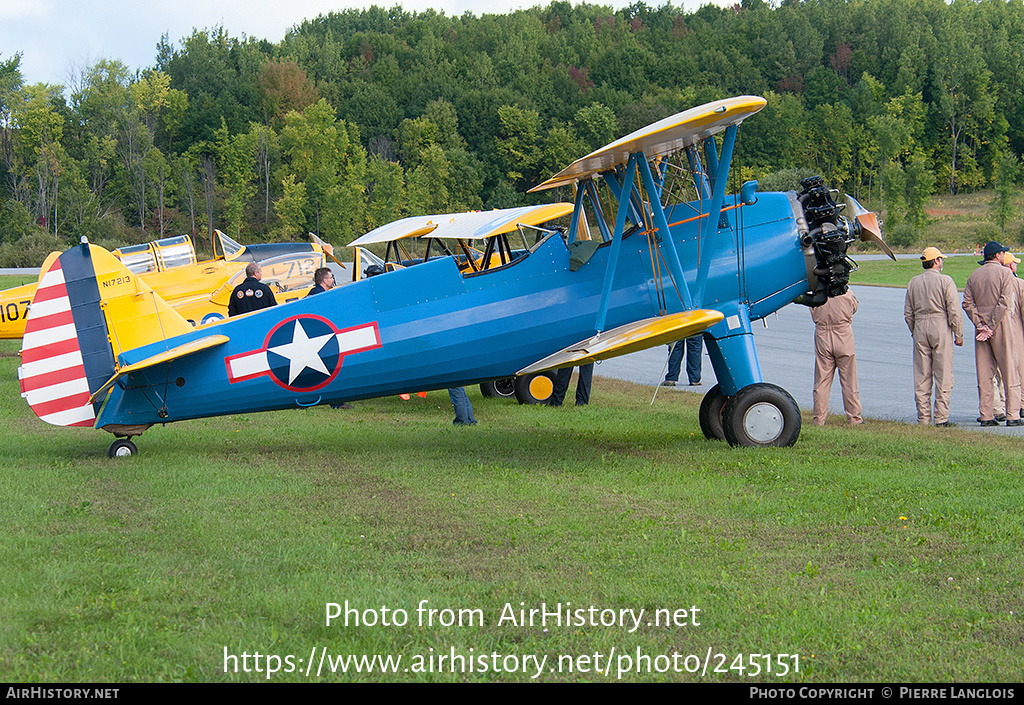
<point>360,117</point>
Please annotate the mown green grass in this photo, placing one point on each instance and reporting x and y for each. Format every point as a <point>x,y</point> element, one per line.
<point>899,273</point>
<point>881,553</point>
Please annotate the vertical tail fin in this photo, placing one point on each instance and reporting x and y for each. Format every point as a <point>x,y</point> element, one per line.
<point>87,309</point>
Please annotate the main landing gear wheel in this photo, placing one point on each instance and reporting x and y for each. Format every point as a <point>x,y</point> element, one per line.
<point>535,388</point>
<point>122,448</point>
<point>761,415</point>
<point>711,414</point>
<point>505,388</point>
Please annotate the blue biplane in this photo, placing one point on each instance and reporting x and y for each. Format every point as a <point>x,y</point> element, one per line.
<point>671,256</point>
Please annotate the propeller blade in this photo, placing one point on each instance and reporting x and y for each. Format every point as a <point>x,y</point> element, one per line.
<point>867,225</point>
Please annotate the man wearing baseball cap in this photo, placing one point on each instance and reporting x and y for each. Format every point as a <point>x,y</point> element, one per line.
<point>1010,261</point>
<point>989,300</point>
<point>932,312</point>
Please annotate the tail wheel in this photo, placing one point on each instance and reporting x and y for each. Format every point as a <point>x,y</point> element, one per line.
<point>761,415</point>
<point>711,414</point>
<point>505,388</point>
<point>536,388</point>
<point>122,448</point>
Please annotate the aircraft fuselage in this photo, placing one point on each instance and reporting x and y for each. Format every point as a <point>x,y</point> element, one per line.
<point>431,327</point>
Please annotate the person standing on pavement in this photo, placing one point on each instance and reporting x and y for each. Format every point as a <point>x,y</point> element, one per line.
<point>1010,261</point>
<point>989,300</point>
<point>932,312</point>
<point>693,347</point>
<point>834,350</point>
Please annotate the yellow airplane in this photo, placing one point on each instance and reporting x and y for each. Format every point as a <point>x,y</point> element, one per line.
<point>199,291</point>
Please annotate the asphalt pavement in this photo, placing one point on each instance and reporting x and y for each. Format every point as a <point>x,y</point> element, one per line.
<point>785,347</point>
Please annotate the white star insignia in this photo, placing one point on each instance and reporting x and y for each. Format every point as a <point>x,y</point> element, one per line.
<point>303,352</point>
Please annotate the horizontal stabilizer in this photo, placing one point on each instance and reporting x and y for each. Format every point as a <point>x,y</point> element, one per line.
<point>631,337</point>
<point>194,346</point>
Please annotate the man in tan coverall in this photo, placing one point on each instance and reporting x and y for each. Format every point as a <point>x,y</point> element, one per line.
<point>1017,318</point>
<point>989,300</point>
<point>833,350</point>
<point>932,311</point>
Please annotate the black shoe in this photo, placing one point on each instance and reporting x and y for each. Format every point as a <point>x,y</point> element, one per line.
<point>668,383</point>
<point>946,424</point>
<point>990,422</point>
<point>1015,422</point>
<point>1001,417</point>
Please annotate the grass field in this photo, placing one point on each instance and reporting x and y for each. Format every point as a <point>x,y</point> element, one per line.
<point>888,273</point>
<point>881,553</point>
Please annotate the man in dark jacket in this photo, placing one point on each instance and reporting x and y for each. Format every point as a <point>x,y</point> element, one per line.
<point>251,294</point>
<point>323,280</point>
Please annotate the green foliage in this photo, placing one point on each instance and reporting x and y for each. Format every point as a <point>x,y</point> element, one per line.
<point>856,92</point>
<point>30,249</point>
<point>986,232</point>
<point>901,235</point>
<point>1005,179</point>
<point>894,185</point>
<point>784,179</point>
<point>15,222</point>
<point>920,184</point>
<point>596,125</point>
<point>518,142</point>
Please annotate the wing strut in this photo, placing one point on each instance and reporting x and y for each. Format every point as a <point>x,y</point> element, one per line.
<point>613,256</point>
<point>714,211</point>
<point>668,244</point>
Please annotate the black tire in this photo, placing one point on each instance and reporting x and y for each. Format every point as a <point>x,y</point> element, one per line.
<point>504,388</point>
<point>122,448</point>
<point>535,388</point>
<point>760,416</point>
<point>711,414</point>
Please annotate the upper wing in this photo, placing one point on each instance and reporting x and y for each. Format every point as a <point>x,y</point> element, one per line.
<point>663,137</point>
